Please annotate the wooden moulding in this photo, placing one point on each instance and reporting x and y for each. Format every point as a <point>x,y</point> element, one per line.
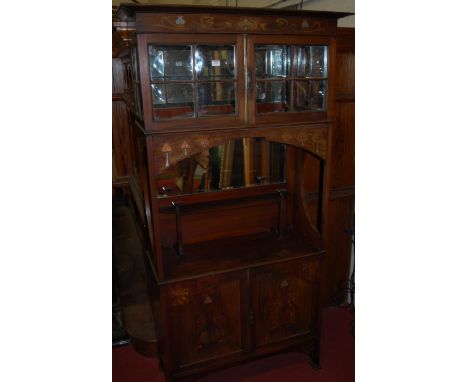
<point>217,23</point>
<point>151,19</point>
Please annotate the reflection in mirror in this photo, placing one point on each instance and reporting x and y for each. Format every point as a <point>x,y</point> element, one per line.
<point>241,162</point>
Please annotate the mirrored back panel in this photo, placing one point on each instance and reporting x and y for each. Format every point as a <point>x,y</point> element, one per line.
<point>242,162</point>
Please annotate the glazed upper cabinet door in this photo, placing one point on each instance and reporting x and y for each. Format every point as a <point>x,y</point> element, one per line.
<point>206,317</point>
<point>288,78</point>
<point>192,81</point>
<point>284,299</point>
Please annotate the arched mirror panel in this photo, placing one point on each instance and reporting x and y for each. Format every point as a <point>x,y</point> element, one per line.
<point>237,163</point>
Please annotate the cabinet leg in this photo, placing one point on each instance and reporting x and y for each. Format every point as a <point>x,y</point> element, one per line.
<point>312,350</point>
<point>314,354</point>
<point>315,361</point>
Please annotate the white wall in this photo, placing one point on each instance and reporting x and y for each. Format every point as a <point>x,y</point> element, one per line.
<point>335,6</point>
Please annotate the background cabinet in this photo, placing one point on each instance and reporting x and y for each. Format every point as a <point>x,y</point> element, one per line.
<point>231,164</point>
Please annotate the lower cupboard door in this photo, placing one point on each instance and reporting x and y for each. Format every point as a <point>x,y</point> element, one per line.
<point>204,317</point>
<point>285,300</point>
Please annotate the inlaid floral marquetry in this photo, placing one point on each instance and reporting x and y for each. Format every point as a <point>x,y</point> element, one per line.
<point>180,20</point>
<point>284,311</point>
<point>313,140</point>
<point>247,25</point>
<point>175,148</point>
<point>301,137</point>
<point>179,296</point>
<point>214,23</point>
<point>204,143</point>
<point>185,147</point>
<point>166,149</point>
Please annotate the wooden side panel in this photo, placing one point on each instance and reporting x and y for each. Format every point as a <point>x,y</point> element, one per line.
<point>205,317</point>
<point>121,139</point>
<point>284,299</point>
<point>337,262</point>
<point>342,160</point>
<point>343,136</point>
<point>344,74</point>
<point>311,188</point>
<point>341,164</point>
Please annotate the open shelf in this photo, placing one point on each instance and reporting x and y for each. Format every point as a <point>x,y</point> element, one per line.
<point>204,205</point>
<point>235,253</point>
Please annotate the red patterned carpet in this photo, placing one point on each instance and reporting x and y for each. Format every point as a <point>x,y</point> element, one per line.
<point>337,360</point>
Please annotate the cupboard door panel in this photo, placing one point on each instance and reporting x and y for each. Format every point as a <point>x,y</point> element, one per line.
<point>204,317</point>
<point>284,299</point>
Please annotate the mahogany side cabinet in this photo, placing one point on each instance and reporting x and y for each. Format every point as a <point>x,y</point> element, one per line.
<point>223,108</point>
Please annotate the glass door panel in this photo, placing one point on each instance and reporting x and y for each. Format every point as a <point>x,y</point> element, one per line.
<point>215,68</point>
<point>272,96</point>
<point>272,61</point>
<point>289,81</point>
<point>216,98</point>
<point>311,61</point>
<point>311,71</point>
<point>272,65</point>
<point>174,74</point>
<point>170,62</point>
<point>310,95</point>
<point>172,100</point>
<point>215,61</point>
